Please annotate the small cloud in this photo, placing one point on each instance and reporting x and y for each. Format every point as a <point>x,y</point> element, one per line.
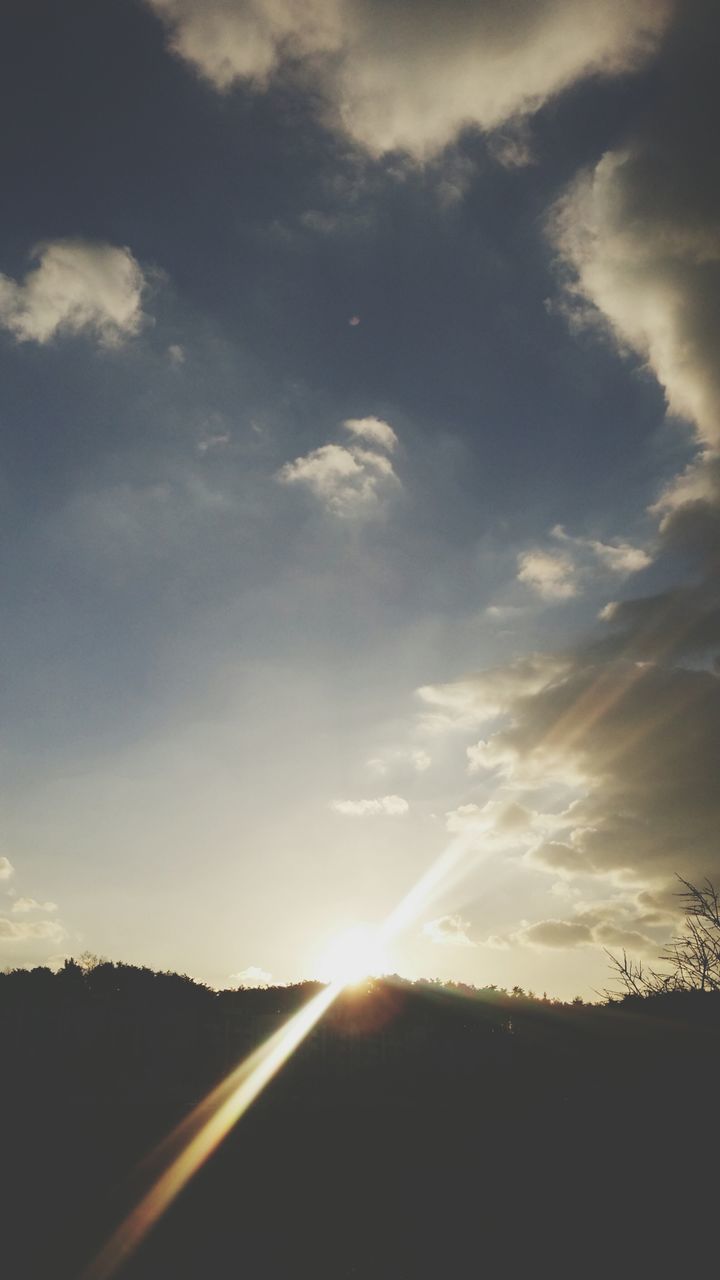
<point>561,889</point>
<point>76,286</point>
<point>552,576</point>
<point>555,934</point>
<point>354,321</point>
<point>448,931</point>
<point>621,558</point>
<point>209,443</point>
<point>348,479</point>
<point>23,905</point>
<point>374,431</point>
<point>503,612</point>
<point>176,355</point>
<point>6,868</point>
<point>253,976</point>
<point>559,575</point>
<point>421,761</point>
<point>388,806</point>
<point>398,759</point>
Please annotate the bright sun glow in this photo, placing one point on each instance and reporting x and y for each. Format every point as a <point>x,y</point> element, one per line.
<point>353,955</point>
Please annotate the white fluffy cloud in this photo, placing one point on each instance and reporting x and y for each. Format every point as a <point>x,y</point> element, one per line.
<point>410,75</point>
<point>387,806</point>
<point>373,430</point>
<point>231,40</point>
<point>551,575</point>
<point>253,976</point>
<point>350,480</point>
<point>558,576</point>
<point>448,931</point>
<point>6,868</point>
<point>75,286</point>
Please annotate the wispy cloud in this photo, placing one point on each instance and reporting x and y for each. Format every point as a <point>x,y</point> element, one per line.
<point>21,906</point>
<point>29,931</point>
<point>387,806</point>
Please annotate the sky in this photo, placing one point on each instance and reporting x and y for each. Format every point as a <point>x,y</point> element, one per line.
<point>360,477</point>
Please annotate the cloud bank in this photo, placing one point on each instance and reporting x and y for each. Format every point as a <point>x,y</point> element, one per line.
<point>409,75</point>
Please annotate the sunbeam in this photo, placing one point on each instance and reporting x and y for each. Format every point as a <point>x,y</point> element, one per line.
<point>204,1129</point>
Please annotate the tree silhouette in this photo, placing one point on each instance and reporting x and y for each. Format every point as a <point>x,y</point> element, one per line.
<point>692,956</point>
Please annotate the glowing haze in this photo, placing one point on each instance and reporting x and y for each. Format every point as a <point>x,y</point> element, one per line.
<point>360,483</point>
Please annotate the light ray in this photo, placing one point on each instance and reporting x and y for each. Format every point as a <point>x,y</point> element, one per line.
<point>445,870</point>
<point>204,1129</point>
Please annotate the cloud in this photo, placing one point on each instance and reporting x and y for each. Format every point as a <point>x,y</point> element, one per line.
<point>412,74</point>
<point>24,905</point>
<point>640,741</point>
<point>555,934</point>
<point>618,557</point>
<point>374,430</point>
<point>76,286</point>
<point>253,976</point>
<point>26,931</point>
<point>649,276</point>
<point>350,480</point>
<point>474,699</point>
<point>399,758</point>
<point>560,575</point>
<point>623,729</point>
<point>389,806</point>
<point>6,868</point>
<point>210,443</point>
<point>448,931</point>
<point>551,575</point>
<point>613,923</point>
<point>231,40</point>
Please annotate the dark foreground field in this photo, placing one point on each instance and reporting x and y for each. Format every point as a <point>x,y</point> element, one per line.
<point>419,1132</point>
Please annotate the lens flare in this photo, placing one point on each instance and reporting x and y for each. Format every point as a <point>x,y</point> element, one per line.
<point>187,1149</point>
<point>353,955</point>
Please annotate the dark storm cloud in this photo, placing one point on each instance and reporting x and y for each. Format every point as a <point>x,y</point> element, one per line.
<point>631,719</point>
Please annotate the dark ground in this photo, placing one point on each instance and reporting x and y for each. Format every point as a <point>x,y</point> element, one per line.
<point>420,1134</point>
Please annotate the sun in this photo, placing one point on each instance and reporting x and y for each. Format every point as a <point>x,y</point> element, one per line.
<point>353,955</point>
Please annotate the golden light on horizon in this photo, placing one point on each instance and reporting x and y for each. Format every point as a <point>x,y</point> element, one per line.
<point>356,953</point>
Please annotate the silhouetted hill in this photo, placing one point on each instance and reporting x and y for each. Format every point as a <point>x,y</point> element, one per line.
<point>420,1128</point>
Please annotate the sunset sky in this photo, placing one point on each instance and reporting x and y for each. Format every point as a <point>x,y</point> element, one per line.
<point>360,481</point>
